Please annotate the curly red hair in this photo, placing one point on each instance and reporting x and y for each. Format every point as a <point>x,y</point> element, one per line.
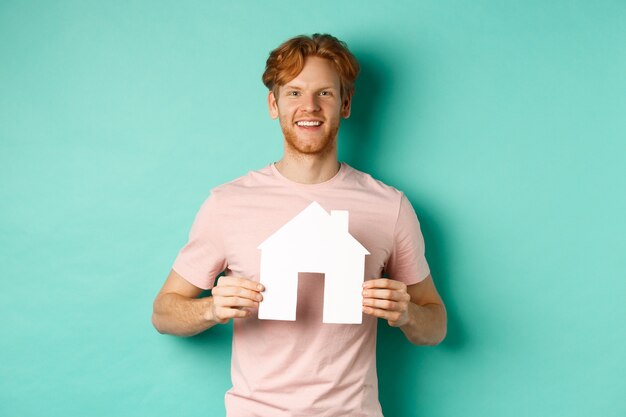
<point>285,62</point>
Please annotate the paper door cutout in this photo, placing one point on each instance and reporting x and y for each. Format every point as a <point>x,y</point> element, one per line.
<point>313,241</point>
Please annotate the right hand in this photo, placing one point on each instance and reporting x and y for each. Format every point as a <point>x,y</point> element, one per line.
<point>233,297</point>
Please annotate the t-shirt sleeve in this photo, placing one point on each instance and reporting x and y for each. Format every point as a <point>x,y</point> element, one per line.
<point>202,258</point>
<point>407,262</point>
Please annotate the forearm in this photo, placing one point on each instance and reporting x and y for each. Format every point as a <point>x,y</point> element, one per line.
<point>181,316</point>
<point>427,324</point>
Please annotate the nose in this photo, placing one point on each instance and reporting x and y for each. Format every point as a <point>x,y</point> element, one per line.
<point>310,103</point>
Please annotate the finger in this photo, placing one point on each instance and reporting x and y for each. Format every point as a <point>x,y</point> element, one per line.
<point>385,283</point>
<point>392,316</point>
<point>235,302</point>
<point>232,281</point>
<point>225,314</point>
<point>236,292</point>
<point>386,294</point>
<point>382,304</point>
<point>236,281</point>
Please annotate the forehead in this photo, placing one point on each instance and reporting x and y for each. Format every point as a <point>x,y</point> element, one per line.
<point>316,71</point>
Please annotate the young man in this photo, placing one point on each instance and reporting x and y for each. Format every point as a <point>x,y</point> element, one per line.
<point>303,367</point>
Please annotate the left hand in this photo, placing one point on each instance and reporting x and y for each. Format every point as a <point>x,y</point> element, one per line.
<point>387,299</point>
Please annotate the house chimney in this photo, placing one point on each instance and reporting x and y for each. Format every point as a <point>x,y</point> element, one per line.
<point>339,219</point>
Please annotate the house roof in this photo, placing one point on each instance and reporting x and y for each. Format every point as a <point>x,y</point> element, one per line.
<point>314,223</point>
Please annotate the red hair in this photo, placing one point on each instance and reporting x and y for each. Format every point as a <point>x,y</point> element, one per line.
<point>285,62</point>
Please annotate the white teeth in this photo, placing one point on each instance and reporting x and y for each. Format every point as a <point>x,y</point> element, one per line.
<point>307,123</point>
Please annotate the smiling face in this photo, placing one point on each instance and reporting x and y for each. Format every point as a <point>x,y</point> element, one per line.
<point>310,108</point>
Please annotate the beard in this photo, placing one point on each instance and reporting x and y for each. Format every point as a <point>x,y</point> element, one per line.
<point>320,146</point>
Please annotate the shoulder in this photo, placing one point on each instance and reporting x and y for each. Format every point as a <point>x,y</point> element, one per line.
<point>368,183</point>
<point>222,198</point>
<point>247,182</point>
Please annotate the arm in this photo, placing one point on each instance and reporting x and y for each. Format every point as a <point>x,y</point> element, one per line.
<point>178,311</point>
<point>417,309</point>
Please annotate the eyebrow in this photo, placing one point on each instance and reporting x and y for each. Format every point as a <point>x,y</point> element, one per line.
<point>293,87</point>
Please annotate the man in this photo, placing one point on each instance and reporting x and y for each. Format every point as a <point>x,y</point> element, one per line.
<point>303,367</point>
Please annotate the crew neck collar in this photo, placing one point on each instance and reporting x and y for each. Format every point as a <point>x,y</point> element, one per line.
<point>340,173</point>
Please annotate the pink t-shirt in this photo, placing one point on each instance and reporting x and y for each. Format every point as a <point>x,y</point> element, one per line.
<point>302,367</point>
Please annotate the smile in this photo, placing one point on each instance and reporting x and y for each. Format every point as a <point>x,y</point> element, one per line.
<point>309,123</point>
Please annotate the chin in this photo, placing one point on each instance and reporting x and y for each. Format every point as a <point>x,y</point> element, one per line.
<point>320,147</point>
<point>311,149</point>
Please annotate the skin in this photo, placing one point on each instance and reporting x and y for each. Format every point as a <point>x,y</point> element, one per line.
<point>310,156</point>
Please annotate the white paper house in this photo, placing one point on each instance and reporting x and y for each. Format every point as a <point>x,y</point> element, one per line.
<point>313,241</point>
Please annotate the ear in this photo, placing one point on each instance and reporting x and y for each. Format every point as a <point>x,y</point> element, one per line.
<point>272,105</point>
<point>345,107</point>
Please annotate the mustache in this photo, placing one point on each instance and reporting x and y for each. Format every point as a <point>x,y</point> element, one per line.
<point>311,116</point>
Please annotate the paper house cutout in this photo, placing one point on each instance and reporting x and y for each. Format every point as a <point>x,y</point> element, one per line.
<point>313,241</point>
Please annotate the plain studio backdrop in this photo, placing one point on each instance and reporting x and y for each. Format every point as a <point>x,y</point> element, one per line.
<point>503,122</point>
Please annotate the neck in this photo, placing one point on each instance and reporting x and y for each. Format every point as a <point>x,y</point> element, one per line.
<point>308,169</point>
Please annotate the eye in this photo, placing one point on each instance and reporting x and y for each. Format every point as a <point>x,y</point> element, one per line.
<point>293,93</point>
<point>325,93</point>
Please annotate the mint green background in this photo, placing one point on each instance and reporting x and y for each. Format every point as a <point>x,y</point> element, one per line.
<point>504,123</point>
